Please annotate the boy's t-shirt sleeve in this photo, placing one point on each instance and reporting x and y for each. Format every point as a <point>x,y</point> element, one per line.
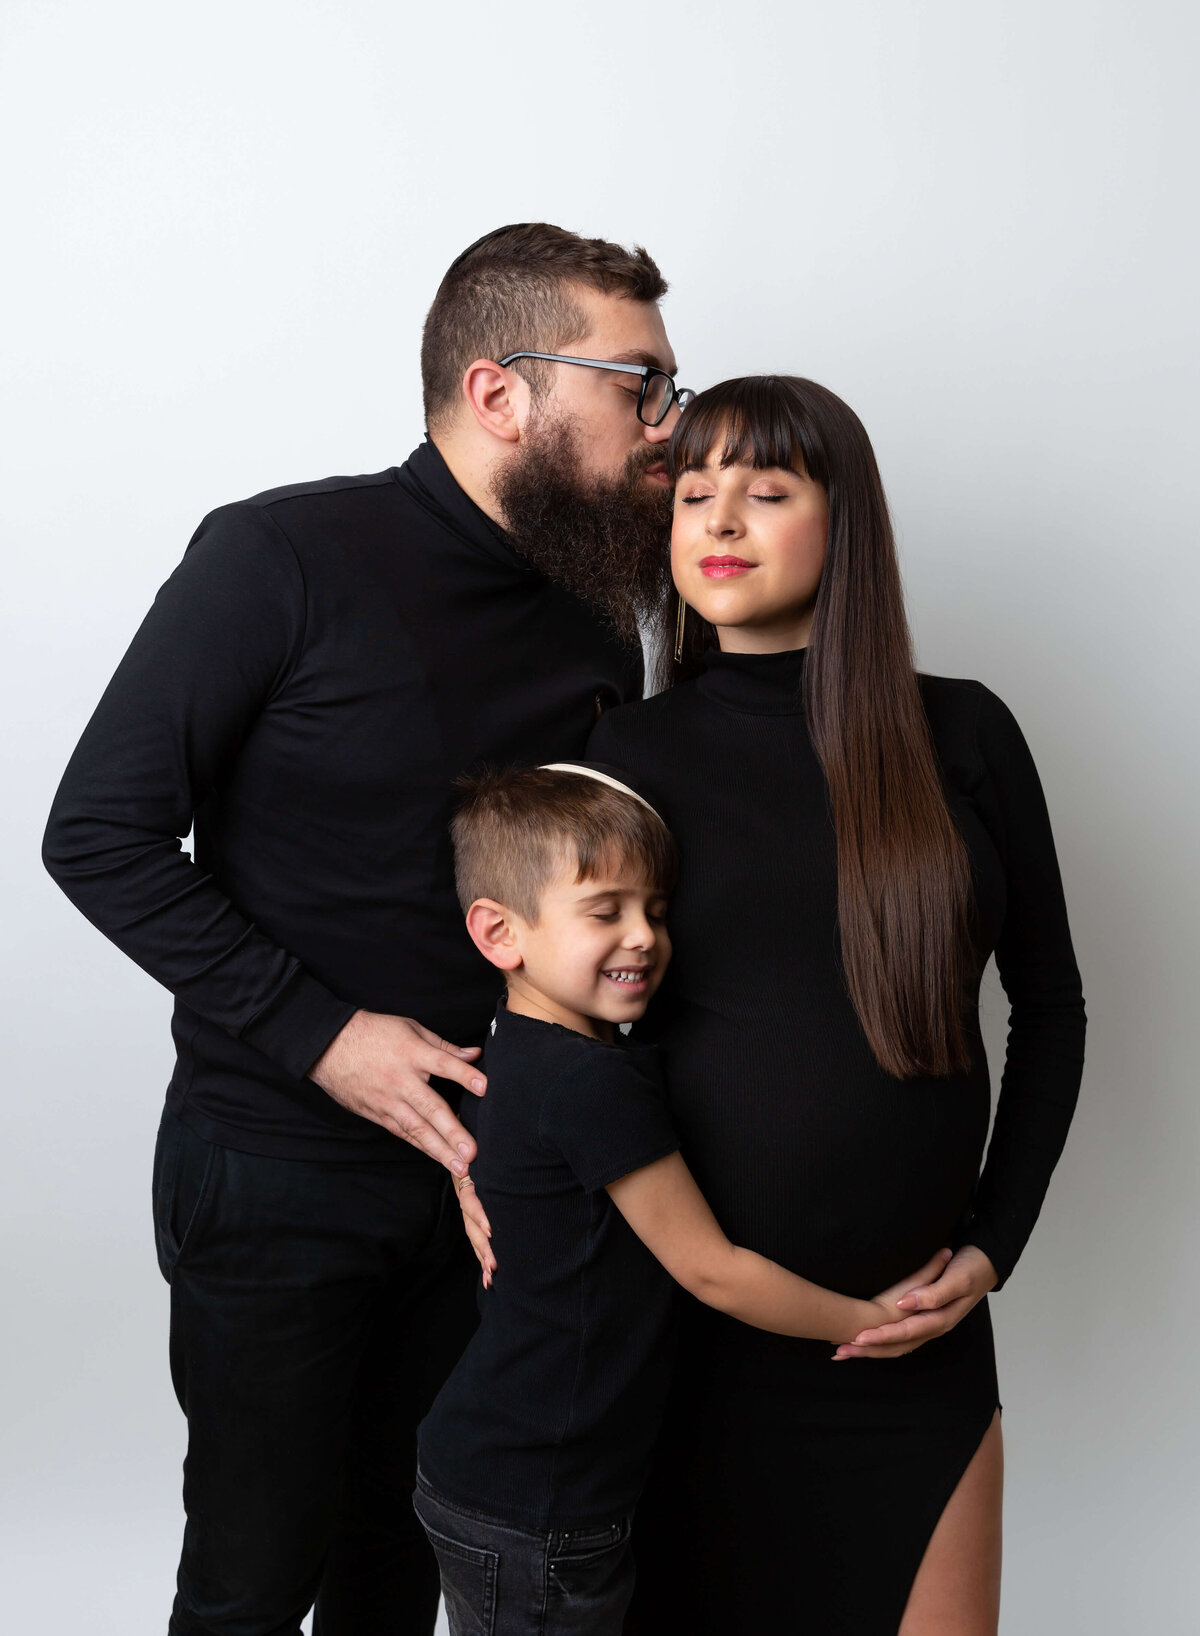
<point>607,1118</point>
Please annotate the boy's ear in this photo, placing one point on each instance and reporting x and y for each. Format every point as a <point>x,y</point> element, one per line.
<point>490,927</point>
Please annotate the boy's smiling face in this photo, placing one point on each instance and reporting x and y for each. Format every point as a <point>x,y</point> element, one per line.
<point>595,955</point>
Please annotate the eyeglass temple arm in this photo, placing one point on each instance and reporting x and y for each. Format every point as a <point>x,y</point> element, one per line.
<point>588,363</point>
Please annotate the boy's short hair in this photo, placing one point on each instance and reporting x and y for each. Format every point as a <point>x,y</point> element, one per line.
<point>517,827</point>
<point>512,292</point>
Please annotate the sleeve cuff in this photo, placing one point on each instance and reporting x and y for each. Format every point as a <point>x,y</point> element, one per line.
<point>298,1024</point>
<point>978,1234</point>
<point>595,1180</point>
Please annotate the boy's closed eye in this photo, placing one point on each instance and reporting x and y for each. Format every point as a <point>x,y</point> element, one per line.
<point>656,912</point>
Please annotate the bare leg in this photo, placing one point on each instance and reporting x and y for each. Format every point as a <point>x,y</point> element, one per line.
<point>957,1588</point>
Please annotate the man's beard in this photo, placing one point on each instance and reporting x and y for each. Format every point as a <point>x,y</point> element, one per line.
<point>604,539</point>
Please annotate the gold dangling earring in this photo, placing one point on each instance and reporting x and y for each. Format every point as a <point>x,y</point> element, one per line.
<point>679,631</point>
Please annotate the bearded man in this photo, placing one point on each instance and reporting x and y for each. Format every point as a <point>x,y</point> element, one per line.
<point>324,662</point>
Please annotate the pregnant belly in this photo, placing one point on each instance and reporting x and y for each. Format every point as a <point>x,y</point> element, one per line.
<point>810,1154</point>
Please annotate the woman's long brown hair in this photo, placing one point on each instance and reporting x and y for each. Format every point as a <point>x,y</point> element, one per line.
<point>904,878</point>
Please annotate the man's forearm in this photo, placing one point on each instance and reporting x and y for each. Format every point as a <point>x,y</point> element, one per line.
<point>173,919</point>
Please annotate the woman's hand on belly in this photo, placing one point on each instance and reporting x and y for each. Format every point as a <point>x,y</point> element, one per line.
<point>934,1308</point>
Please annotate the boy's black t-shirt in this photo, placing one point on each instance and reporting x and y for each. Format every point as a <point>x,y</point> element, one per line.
<point>551,1413</point>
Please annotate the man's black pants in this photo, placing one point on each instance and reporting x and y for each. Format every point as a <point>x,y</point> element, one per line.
<point>316,1309</point>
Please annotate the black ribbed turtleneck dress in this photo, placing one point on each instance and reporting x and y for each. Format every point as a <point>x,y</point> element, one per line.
<point>791,1493</point>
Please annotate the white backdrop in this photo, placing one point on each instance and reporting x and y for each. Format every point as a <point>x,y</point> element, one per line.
<point>976,223</point>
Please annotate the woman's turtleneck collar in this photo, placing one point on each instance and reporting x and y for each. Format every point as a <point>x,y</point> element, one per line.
<point>758,684</point>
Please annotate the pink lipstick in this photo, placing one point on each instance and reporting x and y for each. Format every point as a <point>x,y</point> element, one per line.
<point>724,567</point>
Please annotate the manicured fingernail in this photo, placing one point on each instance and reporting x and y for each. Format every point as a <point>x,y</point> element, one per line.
<point>907,1301</point>
<point>477,1084</point>
<point>464,1150</point>
<point>458,1167</point>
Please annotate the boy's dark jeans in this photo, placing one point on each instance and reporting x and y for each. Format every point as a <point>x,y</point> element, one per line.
<point>501,1580</point>
<point>316,1309</point>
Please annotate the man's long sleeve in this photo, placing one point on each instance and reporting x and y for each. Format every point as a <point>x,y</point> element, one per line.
<point>219,642</point>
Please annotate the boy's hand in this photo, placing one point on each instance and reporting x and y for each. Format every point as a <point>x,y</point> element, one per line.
<point>478,1228</point>
<point>937,1304</point>
<point>380,1067</point>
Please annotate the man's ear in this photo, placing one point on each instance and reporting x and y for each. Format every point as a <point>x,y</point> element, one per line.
<point>490,927</point>
<point>498,399</point>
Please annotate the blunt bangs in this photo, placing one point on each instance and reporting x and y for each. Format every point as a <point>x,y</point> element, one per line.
<point>755,420</point>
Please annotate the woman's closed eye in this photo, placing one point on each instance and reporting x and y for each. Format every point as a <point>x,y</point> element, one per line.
<point>695,499</point>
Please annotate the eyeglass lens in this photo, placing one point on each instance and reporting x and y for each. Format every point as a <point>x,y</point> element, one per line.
<point>657,398</point>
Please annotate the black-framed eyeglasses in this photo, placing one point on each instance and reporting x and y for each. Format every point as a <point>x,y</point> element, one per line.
<point>658,390</point>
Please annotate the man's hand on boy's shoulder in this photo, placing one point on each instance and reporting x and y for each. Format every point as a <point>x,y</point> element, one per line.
<point>380,1067</point>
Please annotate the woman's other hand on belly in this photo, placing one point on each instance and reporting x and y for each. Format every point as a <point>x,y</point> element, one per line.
<point>932,1309</point>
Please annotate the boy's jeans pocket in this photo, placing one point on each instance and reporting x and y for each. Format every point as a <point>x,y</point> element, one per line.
<point>468,1574</point>
<point>504,1580</point>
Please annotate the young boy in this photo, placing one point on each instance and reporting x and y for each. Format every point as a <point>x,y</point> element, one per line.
<point>534,1453</point>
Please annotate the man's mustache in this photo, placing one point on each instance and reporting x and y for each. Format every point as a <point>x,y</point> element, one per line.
<point>641,460</point>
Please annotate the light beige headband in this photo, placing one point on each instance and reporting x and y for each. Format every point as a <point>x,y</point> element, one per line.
<point>601,778</point>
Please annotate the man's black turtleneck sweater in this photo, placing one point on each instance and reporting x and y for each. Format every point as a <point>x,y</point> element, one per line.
<point>324,662</point>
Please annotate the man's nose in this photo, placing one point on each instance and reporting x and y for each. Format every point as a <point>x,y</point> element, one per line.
<point>661,432</point>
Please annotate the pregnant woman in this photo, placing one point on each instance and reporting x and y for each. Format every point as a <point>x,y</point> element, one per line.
<point>857,839</point>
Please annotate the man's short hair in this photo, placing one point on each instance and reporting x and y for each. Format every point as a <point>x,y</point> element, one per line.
<point>517,828</point>
<point>512,293</point>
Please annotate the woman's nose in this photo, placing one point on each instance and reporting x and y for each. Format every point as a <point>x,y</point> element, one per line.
<point>722,522</point>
